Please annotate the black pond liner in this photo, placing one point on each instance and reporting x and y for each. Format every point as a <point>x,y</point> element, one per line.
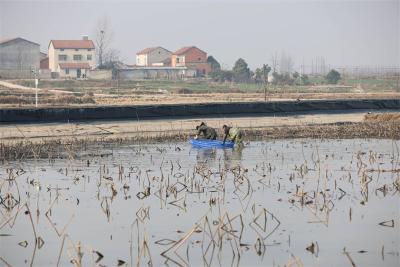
<point>169,111</point>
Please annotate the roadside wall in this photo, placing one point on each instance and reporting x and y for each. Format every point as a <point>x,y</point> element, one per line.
<point>156,73</point>
<point>99,74</point>
<point>24,74</point>
<point>45,74</point>
<point>193,110</point>
<point>16,74</point>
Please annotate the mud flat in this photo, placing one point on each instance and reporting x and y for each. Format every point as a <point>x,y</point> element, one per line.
<point>303,202</point>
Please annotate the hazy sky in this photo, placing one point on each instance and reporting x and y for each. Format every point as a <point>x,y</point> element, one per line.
<point>343,32</point>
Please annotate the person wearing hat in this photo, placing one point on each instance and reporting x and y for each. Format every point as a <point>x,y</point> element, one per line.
<point>233,134</point>
<point>206,131</point>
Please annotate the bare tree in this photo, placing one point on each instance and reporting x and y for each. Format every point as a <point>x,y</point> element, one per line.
<point>286,63</point>
<point>110,56</point>
<point>274,62</point>
<point>104,36</point>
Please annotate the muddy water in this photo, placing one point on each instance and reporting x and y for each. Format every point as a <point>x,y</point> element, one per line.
<point>310,202</point>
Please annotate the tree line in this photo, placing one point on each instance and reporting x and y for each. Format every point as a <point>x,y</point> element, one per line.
<point>241,73</point>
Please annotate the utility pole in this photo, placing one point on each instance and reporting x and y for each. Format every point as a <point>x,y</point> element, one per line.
<point>35,72</point>
<point>265,70</point>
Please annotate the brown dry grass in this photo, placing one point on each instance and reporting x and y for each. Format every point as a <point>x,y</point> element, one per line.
<point>178,96</point>
<point>382,117</point>
<point>68,99</point>
<point>13,99</point>
<point>47,100</point>
<point>67,146</point>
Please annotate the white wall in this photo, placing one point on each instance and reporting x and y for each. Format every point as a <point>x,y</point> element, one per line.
<point>72,73</point>
<point>54,53</point>
<point>141,60</point>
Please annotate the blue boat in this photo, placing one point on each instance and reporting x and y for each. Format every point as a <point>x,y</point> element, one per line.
<point>206,143</point>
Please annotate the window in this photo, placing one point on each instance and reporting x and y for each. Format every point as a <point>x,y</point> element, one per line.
<point>177,60</point>
<point>62,57</point>
<point>199,58</point>
<point>89,57</point>
<point>89,49</point>
<point>76,49</point>
<point>66,71</point>
<point>62,49</point>
<point>77,57</point>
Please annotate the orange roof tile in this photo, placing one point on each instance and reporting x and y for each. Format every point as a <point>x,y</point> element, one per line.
<point>186,49</point>
<point>183,50</point>
<point>73,44</point>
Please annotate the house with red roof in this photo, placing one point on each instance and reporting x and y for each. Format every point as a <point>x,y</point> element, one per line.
<point>192,58</point>
<point>153,56</point>
<point>72,58</point>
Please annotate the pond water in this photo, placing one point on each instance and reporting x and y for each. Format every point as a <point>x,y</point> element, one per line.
<point>273,203</point>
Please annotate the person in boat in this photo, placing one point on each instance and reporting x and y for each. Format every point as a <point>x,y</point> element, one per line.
<point>233,134</point>
<point>206,131</point>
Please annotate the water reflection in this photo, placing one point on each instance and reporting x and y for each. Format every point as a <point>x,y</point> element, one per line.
<point>233,156</point>
<point>206,157</point>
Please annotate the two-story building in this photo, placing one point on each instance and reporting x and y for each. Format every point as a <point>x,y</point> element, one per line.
<point>72,58</point>
<point>19,54</point>
<point>153,56</point>
<point>192,58</point>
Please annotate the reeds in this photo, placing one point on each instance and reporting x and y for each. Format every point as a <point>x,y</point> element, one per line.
<point>233,218</point>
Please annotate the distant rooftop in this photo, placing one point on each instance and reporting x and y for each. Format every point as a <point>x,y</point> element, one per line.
<point>6,40</point>
<point>73,44</point>
<point>185,49</point>
<point>148,50</point>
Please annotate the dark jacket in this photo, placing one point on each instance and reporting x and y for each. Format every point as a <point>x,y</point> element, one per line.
<point>207,132</point>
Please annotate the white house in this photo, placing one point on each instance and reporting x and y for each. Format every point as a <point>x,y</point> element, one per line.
<point>72,58</point>
<point>153,56</point>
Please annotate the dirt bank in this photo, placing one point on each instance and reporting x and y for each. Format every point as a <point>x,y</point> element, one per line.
<point>51,140</point>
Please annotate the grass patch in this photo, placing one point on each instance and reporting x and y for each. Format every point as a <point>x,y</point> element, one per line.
<point>382,117</point>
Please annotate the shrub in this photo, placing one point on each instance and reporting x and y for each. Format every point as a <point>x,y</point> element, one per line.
<point>184,91</point>
<point>304,79</point>
<point>88,99</point>
<point>221,76</point>
<point>12,99</point>
<point>282,79</point>
<point>333,77</point>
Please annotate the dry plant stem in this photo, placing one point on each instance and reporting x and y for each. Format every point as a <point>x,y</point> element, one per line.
<point>12,217</point>
<point>5,262</point>
<point>61,250</point>
<point>350,259</point>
